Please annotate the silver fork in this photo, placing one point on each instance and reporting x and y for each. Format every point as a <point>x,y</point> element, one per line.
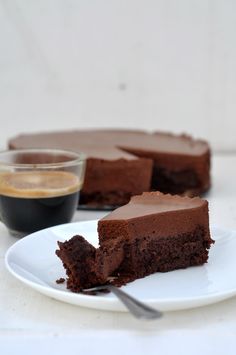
<point>138,309</point>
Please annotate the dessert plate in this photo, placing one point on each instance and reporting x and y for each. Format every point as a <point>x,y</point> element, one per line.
<point>32,260</point>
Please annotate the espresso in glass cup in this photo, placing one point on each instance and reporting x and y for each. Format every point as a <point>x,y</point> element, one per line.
<point>39,188</point>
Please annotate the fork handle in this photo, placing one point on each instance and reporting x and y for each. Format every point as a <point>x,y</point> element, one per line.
<point>138,309</point>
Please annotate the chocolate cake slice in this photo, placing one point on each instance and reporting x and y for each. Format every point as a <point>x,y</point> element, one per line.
<point>123,163</point>
<point>154,232</point>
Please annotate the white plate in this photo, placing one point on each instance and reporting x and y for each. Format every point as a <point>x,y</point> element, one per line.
<point>32,260</point>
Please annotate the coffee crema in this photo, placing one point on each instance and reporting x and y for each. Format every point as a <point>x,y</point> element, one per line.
<point>38,184</point>
<point>30,201</point>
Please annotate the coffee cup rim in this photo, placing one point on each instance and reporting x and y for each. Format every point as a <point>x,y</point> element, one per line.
<point>79,157</point>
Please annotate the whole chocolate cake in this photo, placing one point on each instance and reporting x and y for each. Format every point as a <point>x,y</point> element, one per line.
<point>153,232</point>
<point>123,163</point>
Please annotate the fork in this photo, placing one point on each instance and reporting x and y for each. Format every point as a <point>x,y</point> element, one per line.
<point>137,308</point>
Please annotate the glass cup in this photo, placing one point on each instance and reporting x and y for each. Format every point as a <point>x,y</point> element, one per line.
<point>39,188</point>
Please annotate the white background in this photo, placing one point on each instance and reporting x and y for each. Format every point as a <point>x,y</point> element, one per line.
<point>153,64</point>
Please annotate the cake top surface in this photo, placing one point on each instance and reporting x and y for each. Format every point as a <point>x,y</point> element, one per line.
<point>152,203</point>
<point>113,144</point>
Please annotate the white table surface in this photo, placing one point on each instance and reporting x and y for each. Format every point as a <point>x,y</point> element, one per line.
<point>31,323</point>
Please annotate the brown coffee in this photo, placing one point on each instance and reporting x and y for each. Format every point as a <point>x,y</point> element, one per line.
<point>30,201</point>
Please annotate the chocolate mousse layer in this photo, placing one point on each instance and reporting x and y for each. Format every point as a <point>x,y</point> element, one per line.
<point>154,209</point>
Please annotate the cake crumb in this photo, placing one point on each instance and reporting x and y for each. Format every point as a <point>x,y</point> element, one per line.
<point>60,281</point>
